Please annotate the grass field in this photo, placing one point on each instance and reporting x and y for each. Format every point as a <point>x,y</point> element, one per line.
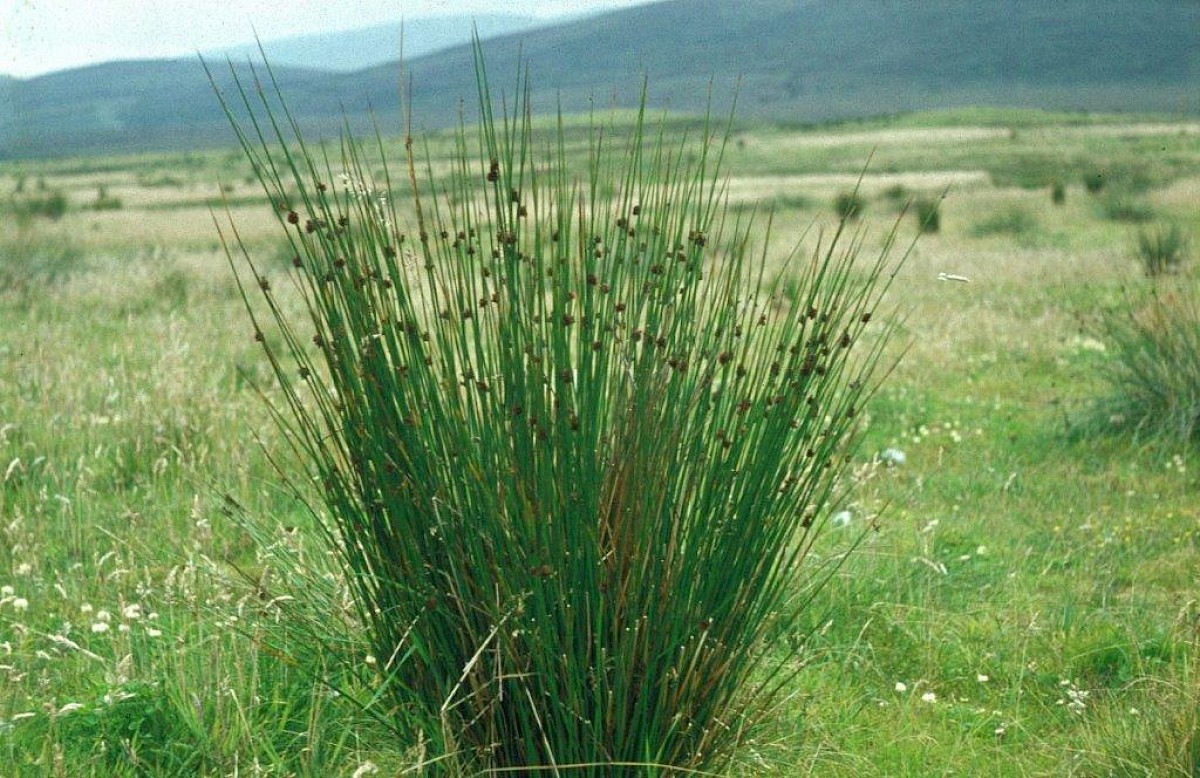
<point>1026,604</point>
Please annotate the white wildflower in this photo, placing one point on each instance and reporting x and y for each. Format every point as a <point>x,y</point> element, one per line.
<point>901,686</point>
<point>841,518</point>
<point>982,678</point>
<point>6,591</point>
<point>929,697</point>
<point>131,612</point>
<point>20,604</point>
<point>99,627</point>
<point>366,768</point>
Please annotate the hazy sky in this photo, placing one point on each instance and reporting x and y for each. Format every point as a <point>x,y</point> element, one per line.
<point>38,36</point>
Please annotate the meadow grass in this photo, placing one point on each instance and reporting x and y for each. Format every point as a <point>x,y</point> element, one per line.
<point>1026,606</point>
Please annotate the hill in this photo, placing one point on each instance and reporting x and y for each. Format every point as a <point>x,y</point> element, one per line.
<point>352,50</point>
<point>807,61</point>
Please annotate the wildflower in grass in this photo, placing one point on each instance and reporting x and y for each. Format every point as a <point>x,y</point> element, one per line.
<point>981,678</point>
<point>929,697</point>
<point>841,519</point>
<point>103,616</point>
<point>20,603</point>
<point>7,591</point>
<point>1075,699</point>
<point>153,633</point>
<point>131,612</point>
<point>901,687</point>
<point>99,627</point>
<point>893,456</point>
<point>366,768</point>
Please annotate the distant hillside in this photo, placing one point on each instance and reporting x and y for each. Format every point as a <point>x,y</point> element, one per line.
<point>798,61</point>
<point>359,49</point>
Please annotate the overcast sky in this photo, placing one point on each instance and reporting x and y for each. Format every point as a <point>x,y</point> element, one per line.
<point>39,36</point>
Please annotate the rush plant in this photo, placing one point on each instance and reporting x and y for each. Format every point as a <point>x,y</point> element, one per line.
<point>572,449</point>
<point>1154,370</point>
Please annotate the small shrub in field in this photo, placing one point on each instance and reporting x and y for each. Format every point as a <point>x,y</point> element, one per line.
<point>849,205</point>
<point>1162,250</point>
<point>1123,207</point>
<point>1010,221</point>
<point>1154,367</point>
<point>50,206</point>
<point>897,194</point>
<point>29,263</point>
<point>104,201</point>
<point>1058,193</point>
<point>1094,181</point>
<point>929,214</point>
<point>571,456</point>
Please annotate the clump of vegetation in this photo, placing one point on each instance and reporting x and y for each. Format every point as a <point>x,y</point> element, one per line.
<point>849,205</point>
<point>897,194</point>
<point>1154,369</point>
<point>929,214</point>
<point>29,262</point>
<point>1124,207</point>
<point>1162,728</point>
<point>1058,193</point>
<point>572,458</point>
<point>1162,250</point>
<point>51,205</point>
<point>104,201</point>
<point>1094,181</point>
<point>1013,220</point>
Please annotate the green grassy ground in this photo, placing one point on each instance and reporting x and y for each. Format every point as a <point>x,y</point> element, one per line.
<point>1026,605</point>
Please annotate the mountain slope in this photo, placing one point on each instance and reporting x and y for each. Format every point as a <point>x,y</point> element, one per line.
<point>359,49</point>
<point>797,60</point>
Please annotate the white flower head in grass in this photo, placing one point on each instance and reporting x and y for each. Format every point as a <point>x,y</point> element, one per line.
<point>7,591</point>
<point>366,768</point>
<point>20,603</point>
<point>99,627</point>
<point>24,569</point>
<point>363,191</point>
<point>901,687</point>
<point>103,616</point>
<point>929,697</point>
<point>893,457</point>
<point>841,518</point>
<point>151,632</point>
<point>131,612</point>
<point>1076,699</point>
<point>982,678</point>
